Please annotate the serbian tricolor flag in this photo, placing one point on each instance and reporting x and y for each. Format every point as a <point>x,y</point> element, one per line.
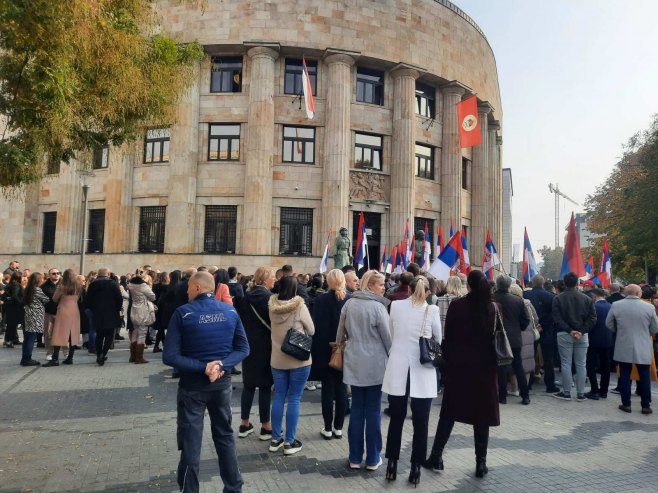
<point>439,241</point>
<point>605,266</point>
<point>465,264</point>
<point>589,268</point>
<point>401,263</point>
<point>449,258</point>
<point>427,249</point>
<point>572,261</point>
<point>384,263</point>
<point>324,263</point>
<point>529,266</point>
<point>361,244</point>
<point>309,102</point>
<point>452,230</point>
<point>469,125</point>
<point>393,261</point>
<point>490,258</point>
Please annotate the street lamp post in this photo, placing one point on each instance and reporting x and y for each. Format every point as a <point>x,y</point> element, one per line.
<point>83,235</point>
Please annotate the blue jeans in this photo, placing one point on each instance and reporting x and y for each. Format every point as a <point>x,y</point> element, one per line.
<point>28,345</point>
<point>570,348</point>
<point>287,384</point>
<point>365,414</point>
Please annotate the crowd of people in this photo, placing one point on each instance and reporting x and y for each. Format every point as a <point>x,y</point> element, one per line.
<point>374,321</point>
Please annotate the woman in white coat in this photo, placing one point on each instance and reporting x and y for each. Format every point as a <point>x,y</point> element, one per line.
<point>405,377</point>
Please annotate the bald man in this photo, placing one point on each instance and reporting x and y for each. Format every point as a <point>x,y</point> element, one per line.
<point>205,340</point>
<point>635,322</point>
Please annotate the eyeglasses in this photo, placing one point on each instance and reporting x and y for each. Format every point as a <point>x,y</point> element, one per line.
<point>55,273</point>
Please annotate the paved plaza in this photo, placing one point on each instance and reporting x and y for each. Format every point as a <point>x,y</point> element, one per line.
<point>86,428</point>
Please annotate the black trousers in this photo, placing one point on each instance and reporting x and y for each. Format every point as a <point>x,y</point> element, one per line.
<point>548,353</point>
<point>444,429</point>
<point>104,339</point>
<point>264,402</point>
<point>517,368</point>
<point>192,405</point>
<point>599,358</point>
<point>420,416</point>
<point>333,390</point>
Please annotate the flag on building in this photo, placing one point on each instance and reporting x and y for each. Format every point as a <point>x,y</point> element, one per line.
<point>465,264</point>
<point>572,260</point>
<point>427,249</point>
<point>529,266</point>
<point>469,125</point>
<point>361,254</point>
<point>439,241</point>
<point>384,262</point>
<point>449,258</point>
<point>605,266</point>
<point>309,102</point>
<point>324,263</point>
<point>490,258</point>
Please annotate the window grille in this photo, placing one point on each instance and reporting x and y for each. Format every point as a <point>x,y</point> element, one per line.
<point>298,145</point>
<point>96,233</point>
<point>370,86</point>
<point>424,162</point>
<point>156,146</point>
<point>296,236</point>
<point>152,229</point>
<point>220,228</point>
<point>293,77</point>
<point>101,157</point>
<point>226,74</point>
<point>368,151</point>
<point>53,166</point>
<point>224,142</point>
<point>49,227</point>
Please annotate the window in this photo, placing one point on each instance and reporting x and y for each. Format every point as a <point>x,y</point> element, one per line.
<point>368,151</point>
<point>419,225</point>
<point>296,231</point>
<point>424,162</point>
<point>96,232</point>
<point>370,86</point>
<point>224,143</point>
<point>220,229</point>
<point>53,166</point>
<point>293,80</point>
<point>425,100</point>
<point>298,145</point>
<point>226,74</point>
<point>152,229</point>
<point>49,226</point>
<point>101,157</point>
<point>466,173</point>
<point>156,146</point>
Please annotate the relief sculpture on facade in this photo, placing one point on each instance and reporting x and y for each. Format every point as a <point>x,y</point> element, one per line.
<point>368,186</point>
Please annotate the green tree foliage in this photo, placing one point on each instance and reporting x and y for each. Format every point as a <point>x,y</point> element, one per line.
<point>622,208</point>
<point>76,74</point>
<point>552,262</point>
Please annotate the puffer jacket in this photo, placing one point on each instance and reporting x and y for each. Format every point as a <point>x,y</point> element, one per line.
<point>286,315</point>
<point>140,293</point>
<point>528,339</point>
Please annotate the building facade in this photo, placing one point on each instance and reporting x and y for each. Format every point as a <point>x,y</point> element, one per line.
<point>243,177</point>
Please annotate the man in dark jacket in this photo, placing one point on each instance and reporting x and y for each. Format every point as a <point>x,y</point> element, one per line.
<point>615,293</point>
<point>205,340</point>
<point>574,317</point>
<point>542,301</point>
<point>234,287</point>
<point>404,289</point>
<point>600,347</point>
<point>48,288</point>
<point>105,302</point>
<point>515,319</point>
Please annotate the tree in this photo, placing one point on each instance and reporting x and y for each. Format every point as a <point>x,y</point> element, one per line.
<point>622,208</point>
<point>552,262</point>
<point>78,74</point>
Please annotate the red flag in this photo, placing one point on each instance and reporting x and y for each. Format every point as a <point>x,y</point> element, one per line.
<point>469,125</point>
<point>572,261</point>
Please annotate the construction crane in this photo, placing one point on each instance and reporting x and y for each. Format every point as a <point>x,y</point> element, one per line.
<point>555,190</point>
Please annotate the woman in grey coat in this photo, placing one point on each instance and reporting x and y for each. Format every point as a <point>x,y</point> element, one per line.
<point>364,323</point>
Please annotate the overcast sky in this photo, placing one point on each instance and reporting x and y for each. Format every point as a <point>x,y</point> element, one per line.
<point>578,78</point>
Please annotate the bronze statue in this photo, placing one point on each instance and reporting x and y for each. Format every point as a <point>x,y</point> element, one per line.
<point>342,250</point>
<point>418,250</point>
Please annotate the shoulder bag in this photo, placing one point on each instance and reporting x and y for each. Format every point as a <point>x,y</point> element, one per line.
<point>430,350</point>
<point>501,343</point>
<point>297,344</point>
<point>535,330</point>
<point>260,318</point>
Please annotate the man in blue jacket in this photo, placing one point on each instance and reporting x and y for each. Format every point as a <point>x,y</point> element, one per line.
<point>205,340</point>
<point>600,347</point>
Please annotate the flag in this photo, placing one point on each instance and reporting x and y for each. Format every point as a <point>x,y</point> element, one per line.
<point>402,258</point>
<point>469,125</point>
<point>452,230</point>
<point>449,257</point>
<point>404,246</point>
<point>605,266</point>
<point>391,259</point>
<point>427,248</point>
<point>465,264</point>
<point>572,261</point>
<point>324,263</point>
<point>411,249</point>
<point>361,243</point>
<point>490,258</point>
<point>309,102</point>
<point>529,266</point>
<point>439,241</point>
<point>384,263</point>
<point>589,267</point>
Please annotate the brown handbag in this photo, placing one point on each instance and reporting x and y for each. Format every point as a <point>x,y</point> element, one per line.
<point>336,359</point>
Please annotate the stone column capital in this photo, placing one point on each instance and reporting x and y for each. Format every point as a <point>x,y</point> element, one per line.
<point>494,125</point>
<point>263,52</point>
<point>485,108</point>
<point>402,71</point>
<point>499,140</point>
<point>339,58</point>
<point>454,88</point>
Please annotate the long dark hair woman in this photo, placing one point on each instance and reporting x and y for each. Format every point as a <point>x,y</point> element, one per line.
<point>471,376</point>
<point>35,310</point>
<point>13,307</point>
<point>166,302</point>
<point>66,331</point>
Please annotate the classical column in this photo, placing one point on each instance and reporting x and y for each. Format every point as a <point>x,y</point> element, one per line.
<point>494,194</point>
<point>257,208</point>
<point>451,158</point>
<point>69,209</point>
<point>337,146</point>
<point>180,223</point>
<point>480,185</point>
<point>118,199</point>
<point>403,176</point>
<point>499,197</point>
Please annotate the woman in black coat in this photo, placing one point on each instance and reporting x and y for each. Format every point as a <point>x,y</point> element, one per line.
<point>256,370</point>
<point>326,314</point>
<point>471,376</point>
<point>14,310</point>
<point>166,303</point>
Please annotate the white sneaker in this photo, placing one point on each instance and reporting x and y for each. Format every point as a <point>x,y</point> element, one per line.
<point>310,386</point>
<point>327,435</point>
<point>49,357</point>
<point>376,466</point>
<point>318,385</point>
<point>338,433</point>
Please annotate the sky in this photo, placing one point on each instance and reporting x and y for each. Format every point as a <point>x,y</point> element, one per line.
<point>578,78</point>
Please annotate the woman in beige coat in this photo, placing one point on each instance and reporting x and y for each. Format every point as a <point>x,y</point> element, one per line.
<point>66,330</point>
<point>287,310</point>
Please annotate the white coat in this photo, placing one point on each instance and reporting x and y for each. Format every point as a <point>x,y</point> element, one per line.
<point>404,359</point>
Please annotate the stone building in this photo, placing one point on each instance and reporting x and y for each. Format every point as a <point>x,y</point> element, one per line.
<point>244,178</point>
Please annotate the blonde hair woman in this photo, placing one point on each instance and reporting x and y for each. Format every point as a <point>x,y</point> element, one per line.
<point>405,377</point>
<point>453,291</point>
<point>364,323</point>
<point>326,315</point>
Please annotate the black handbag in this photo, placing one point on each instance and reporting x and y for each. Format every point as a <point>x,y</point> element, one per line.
<point>501,342</point>
<point>430,350</point>
<point>297,344</point>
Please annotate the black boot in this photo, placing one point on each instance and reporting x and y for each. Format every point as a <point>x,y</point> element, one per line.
<point>434,461</point>
<point>481,439</point>
<point>392,470</point>
<point>414,474</point>
<point>69,358</point>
